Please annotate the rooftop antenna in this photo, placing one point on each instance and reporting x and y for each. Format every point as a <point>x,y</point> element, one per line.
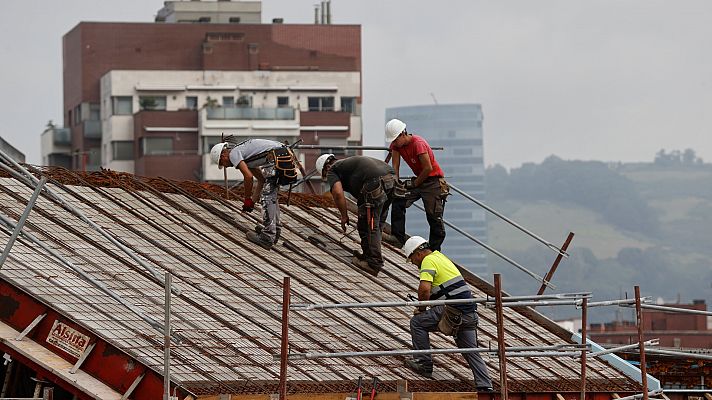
<point>434,99</point>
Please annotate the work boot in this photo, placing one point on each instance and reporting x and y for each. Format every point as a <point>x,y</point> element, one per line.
<point>364,265</point>
<point>259,239</point>
<point>259,228</point>
<point>419,368</point>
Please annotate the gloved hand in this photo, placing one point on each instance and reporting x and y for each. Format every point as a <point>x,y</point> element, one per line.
<point>249,205</point>
<point>409,184</point>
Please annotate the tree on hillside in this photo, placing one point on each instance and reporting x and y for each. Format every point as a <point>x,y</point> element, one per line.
<point>677,158</point>
<point>590,184</point>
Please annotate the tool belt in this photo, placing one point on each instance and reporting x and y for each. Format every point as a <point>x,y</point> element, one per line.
<point>444,189</point>
<point>377,190</point>
<point>450,321</point>
<point>284,165</point>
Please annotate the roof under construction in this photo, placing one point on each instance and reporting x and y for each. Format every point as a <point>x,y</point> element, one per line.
<point>226,307</point>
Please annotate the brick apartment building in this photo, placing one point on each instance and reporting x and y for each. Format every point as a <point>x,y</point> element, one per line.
<point>152,98</point>
<point>674,330</point>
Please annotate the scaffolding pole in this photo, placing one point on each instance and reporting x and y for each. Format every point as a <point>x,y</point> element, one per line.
<point>524,351</point>
<point>570,298</point>
<point>641,343</point>
<point>326,147</point>
<point>652,342</point>
<point>500,337</point>
<point>675,309</point>
<point>284,351</point>
<point>584,319</point>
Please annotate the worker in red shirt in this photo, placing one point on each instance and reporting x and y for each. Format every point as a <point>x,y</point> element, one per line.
<point>428,184</point>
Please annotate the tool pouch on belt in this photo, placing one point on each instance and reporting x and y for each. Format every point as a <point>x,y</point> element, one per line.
<point>450,321</point>
<point>284,165</point>
<point>444,189</point>
<point>376,190</point>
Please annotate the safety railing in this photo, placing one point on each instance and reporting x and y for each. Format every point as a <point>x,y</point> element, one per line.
<point>577,351</point>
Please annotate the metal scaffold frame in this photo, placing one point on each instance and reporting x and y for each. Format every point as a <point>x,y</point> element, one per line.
<point>581,351</point>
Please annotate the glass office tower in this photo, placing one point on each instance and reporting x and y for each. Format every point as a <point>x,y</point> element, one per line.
<point>457,128</point>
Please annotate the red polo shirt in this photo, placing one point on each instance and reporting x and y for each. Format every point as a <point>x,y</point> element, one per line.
<point>412,150</point>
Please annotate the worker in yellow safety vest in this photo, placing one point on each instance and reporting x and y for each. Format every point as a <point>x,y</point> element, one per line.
<point>440,279</point>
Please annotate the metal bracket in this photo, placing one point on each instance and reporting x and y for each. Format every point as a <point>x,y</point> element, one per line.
<point>81,359</point>
<point>30,327</point>
<point>133,386</point>
<point>7,359</point>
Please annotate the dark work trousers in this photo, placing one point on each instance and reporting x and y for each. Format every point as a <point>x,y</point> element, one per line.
<point>371,239</point>
<point>427,321</point>
<point>434,203</point>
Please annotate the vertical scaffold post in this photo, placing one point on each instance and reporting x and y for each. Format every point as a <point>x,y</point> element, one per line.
<point>584,351</point>
<point>167,341</point>
<point>285,340</point>
<point>641,343</point>
<point>500,337</point>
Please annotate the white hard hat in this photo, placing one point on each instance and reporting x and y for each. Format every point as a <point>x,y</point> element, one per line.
<point>413,244</point>
<point>321,161</point>
<point>215,153</point>
<point>394,128</point>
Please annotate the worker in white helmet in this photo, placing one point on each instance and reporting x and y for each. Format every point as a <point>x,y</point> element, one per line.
<point>439,280</point>
<point>429,183</point>
<point>272,164</point>
<point>371,182</point>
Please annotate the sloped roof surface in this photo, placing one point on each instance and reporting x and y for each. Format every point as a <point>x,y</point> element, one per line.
<point>228,311</point>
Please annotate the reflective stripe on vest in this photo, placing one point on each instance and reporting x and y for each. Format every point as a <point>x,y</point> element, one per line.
<point>452,289</point>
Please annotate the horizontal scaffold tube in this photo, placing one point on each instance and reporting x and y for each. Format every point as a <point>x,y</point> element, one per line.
<point>570,297</point>
<point>568,350</point>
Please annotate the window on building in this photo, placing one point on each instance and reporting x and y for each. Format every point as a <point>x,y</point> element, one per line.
<point>228,101</point>
<point>282,101</point>
<point>321,103</point>
<point>121,105</point>
<point>152,103</point>
<point>122,150</point>
<point>234,20</point>
<point>191,102</point>
<point>676,342</point>
<point>77,115</point>
<point>348,104</point>
<point>157,146</point>
<point>204,19</point>
<point>94,112</point>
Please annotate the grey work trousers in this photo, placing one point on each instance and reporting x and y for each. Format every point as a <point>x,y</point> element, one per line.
<point>270,204</point>
<point>427,321</point>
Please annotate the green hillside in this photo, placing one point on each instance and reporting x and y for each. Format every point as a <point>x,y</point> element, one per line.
<point>642,224</point>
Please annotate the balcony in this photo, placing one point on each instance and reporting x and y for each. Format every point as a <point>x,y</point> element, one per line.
<point>280,113</point>
<point>62,137</point>
<point>92,129</point>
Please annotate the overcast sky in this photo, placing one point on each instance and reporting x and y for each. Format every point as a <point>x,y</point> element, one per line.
<point>602,80</point>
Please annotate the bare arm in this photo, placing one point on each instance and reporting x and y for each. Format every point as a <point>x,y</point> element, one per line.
<point>260,183</point>
<point>337,191</point>
<point>424,292</point>
<point>395,157</point>
<point>247,174</point>
<point>427,169</point>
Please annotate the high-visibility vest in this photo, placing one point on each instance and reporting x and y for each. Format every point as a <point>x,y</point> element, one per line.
<point>447,281</point>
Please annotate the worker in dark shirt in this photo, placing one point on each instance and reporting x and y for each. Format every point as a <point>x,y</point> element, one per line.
<point>371,182</point>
